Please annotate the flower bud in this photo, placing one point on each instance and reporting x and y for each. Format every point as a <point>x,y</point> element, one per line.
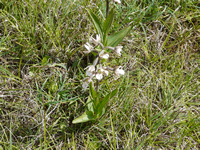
<point>95,41</point>
<point>88,47</point>
<point>103,56</point>
<point>118,50</point>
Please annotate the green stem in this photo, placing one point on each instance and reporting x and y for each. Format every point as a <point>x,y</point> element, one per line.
<point>97,86</point>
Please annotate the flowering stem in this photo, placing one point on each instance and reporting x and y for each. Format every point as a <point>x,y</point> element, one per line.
<point>107,8</point>
<point>101,45</point>
<point>97,86</point>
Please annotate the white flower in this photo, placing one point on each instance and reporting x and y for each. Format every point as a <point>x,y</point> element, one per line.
<point>105,71</point>
<point>118,1</point>
<point>100,72</point>
<point>95,41</point>
<point>85,85</point>
<point>88,47</point>
<point>102,55</point>
<point>118,71</point>
<point>86,82</point>
<point>90,70</point>
<point>99,76</point>
<point>118,50</point>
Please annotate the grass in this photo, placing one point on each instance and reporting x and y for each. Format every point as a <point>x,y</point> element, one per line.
<point>41,65</point>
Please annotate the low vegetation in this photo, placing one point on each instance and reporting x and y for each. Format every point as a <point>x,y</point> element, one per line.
<point>42,63</point>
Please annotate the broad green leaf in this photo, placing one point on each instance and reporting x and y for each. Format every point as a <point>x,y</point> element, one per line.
<point>92,91</point>
<point>113,93</point>
<point>96,22</point>
<point>90,105</point>
<point>105,100</point>
<point>116,38</point>
<point>102,104</point>
<point>85,117</point>
<point>94,97</point>
<point>108,22</point>
<point>107,25</point>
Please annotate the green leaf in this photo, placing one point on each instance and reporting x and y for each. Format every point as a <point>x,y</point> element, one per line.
<point>92,91</point>
<point>107,25</point>
<point>105,100</point>
<point>116,38</point>
<point>44,61</point>
<point>90,104</point>
<point>94,96</point>
<point>85,117</point>
<point>96,22</point>
<point>113,93</point>
<point>108,22</point>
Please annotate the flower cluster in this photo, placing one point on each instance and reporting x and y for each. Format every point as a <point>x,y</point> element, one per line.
<point>97,70</point>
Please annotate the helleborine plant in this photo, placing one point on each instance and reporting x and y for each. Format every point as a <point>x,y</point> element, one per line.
<point>100,46</point>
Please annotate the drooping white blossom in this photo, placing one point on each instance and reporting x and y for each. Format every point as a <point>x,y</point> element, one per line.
<point>103,56</point>
<point>118,50</point>
<point>100,72</point>
<point>118,71</point>
<point>118,1</point>
<point>88,47</point>
<point>95,41</point>
<point>85,85</point>
<point>103,70</point>
<point>90,70</point>
<point>99,76</point>
<point>86,81</point>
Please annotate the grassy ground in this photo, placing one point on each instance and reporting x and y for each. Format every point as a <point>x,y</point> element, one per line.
<point>41,65</point>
